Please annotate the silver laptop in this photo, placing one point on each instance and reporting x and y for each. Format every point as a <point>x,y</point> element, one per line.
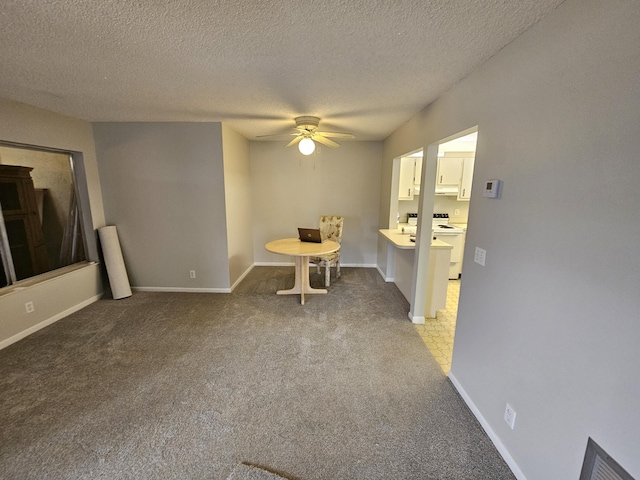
<point>310,235</point>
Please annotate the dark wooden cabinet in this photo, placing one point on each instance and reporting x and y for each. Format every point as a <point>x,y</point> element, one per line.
<point>22,221</point>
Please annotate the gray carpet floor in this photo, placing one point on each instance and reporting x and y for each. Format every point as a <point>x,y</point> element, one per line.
<point>249,472</point>
<point>188,386</point>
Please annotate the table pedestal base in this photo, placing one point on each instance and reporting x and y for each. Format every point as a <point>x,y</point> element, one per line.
<point>301,284</point>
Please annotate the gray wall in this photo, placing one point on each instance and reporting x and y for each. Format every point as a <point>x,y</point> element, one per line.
<point>62,295</point>
<point>550,324</point>
<point>163,187</point>
<point>291,191</point>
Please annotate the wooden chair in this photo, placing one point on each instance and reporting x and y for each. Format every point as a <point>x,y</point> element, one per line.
<point>331,229</point>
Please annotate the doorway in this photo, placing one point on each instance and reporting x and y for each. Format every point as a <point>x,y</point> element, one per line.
<point>452,197</point>
<point>405,196</point>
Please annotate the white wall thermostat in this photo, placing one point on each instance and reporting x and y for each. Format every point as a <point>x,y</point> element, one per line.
<point>492,188</point>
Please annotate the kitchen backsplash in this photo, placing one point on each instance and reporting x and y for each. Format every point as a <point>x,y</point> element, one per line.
<point>441,205</point>
<point>450,205</point>
<point>407,206</point>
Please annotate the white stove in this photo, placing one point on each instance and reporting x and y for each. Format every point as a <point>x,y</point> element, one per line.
<point>440,224</point>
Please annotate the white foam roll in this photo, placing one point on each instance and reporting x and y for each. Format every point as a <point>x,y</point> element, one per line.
<point>114,262</point>
<point>410,230</point>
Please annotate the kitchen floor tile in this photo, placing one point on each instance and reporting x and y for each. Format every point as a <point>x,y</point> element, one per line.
<point>437,333</point>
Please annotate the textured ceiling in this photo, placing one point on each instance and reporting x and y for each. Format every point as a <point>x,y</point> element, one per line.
<point>363,66</point>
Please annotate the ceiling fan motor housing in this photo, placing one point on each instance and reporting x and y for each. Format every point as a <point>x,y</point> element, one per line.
<point>307,123</point>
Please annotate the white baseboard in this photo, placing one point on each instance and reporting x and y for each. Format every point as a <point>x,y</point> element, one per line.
<point>504,453</point>
<point>416,319</point>
<point>197,290</point>
<point>45,323</point>
<point>291,264</point>
<point>181,289</point>
<point>274,264</point>
<point>386,279</point>
<point>237,282</point>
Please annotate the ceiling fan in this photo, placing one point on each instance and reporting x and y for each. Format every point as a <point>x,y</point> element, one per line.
<point>307,134</point>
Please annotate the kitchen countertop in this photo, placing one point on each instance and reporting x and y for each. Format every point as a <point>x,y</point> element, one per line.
<point>452,222</point>
<point>401,240</point>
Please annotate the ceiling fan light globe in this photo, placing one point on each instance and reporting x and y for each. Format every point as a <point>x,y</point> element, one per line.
<point>306,146</point>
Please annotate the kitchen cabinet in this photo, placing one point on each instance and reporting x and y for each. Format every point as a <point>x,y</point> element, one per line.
<point>457,252</point>
<point>406,187</point>
<point>464,192</point>
<point>418,174</point>
<point>449,171</point>
<point>464,239</point>
<point>400,259</point>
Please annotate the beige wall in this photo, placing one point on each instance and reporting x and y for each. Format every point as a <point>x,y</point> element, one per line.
<point>33,126</point>
<point>550,324</point>
<point>58,296</point>
<point>238,200</point>
<point>291,191</point>
<point>409,138</point>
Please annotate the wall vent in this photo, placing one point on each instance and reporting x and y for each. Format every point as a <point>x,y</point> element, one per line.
<point>598,465</point>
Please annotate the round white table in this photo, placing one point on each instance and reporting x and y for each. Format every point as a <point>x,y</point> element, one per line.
<point>301,251</point>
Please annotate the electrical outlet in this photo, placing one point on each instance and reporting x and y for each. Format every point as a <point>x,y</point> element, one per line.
<point>29,307</point>
<point>456,212</point>
<point>480,256</point>
<point>192,274</point>
<point>510,416</point>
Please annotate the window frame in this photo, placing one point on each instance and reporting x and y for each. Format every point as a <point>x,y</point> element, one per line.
<point>81,190</point>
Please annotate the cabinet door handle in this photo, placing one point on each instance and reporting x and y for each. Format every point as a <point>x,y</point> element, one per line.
<point>463,191</point>
<point>408,192</point>
<point>440,178</point>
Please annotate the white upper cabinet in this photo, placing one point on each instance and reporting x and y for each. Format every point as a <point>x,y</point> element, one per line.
<point>418,172</point>
<point>449,171</point>
<point>455,175</point>
<point>407,175</point>
<point>464,192</point>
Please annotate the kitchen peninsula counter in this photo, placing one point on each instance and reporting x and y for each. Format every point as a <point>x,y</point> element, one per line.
<point>401,240</point>
<point>400,255</point>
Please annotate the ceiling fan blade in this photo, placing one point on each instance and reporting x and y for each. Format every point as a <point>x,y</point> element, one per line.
<point>277,135</point>
<point>294,141</point>
<point>335,134</point>
<point>325,141</point>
